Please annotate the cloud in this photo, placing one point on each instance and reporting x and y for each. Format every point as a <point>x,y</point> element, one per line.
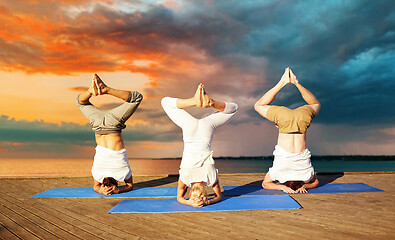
<point>78,89</point>
<point>12,130</point>
<point>49,137</point>
<point>341,51</point>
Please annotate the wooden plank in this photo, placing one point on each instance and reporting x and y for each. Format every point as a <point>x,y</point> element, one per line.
<point>38,219</point>
<point>6,233</point>
<point>76,215</point>
<point>16,228</point>
<point>127,224</point>
<point>333,216</point>
<point>33,227</point>
<point>56,218</point>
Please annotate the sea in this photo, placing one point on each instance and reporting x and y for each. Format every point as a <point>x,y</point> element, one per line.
<point>323,164</point>
<point>225,165</point>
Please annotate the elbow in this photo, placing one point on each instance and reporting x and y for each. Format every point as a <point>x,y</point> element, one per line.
<point>128,188</point>
<point>219,197</point>
<point>268,185</point>
<point>264,185</point>
<point>316,183</point>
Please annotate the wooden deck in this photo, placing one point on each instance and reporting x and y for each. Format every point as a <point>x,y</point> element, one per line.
<point>323,216</point>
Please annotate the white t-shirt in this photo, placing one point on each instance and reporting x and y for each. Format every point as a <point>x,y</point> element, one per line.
<point>197,133</point>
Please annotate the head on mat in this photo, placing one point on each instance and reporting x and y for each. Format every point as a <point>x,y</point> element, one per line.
<point>294,185</point>
<point>109,182</point>
<point>198,191</point>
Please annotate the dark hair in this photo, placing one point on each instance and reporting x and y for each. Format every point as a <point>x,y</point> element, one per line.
<point>109,181</point>
<point>294,184</point>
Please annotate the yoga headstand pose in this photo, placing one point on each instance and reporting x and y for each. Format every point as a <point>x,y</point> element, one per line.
<point>110,164</point>
<point>291,165</point>
<point>197,169</point>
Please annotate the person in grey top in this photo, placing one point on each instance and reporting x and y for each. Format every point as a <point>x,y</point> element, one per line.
<point>110,164</point>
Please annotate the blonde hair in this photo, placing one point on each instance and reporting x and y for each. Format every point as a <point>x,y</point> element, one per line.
<point>198,190</point>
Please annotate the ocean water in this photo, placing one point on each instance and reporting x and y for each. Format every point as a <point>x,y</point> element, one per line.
<point>82,167</point>
<point>262,166</point>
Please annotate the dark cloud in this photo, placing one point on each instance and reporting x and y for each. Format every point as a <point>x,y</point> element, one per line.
<point>342,52</point>
<point>38,131</point>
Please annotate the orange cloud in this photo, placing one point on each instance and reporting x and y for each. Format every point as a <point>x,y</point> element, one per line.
<point>22,27</point>
<point>78,89</point>
<point>68,45</point>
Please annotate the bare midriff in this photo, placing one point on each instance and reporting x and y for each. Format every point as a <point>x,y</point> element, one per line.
<point>292,142</point>
<point>113,141</point>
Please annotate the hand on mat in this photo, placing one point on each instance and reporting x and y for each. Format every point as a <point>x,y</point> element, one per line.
<point>301,190</point>
<point>195,202</point>
<point>107,190</point>
<point>287,189</point>
<point>115,190</point>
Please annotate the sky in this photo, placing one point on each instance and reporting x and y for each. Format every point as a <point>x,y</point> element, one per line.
<point>342,51</point>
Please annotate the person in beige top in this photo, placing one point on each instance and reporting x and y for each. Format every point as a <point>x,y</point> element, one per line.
<point>291,166</point>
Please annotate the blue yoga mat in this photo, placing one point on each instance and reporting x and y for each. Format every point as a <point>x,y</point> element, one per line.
<point>327,188</point>
<point>148,192</point>
<point>163,192</point>
<point>167,205</point>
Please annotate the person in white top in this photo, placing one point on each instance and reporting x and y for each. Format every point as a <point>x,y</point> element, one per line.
<point>197,169</point>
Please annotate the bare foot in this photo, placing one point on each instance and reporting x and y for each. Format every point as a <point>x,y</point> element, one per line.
<point>285,78</point>
<point>207,101</point>
<point>92,89</point>
<point>293,78</point>
<point>197,97</point>
<point>100,85</point>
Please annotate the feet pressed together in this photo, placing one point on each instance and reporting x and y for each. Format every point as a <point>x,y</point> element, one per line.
<point>98,87</point>
<point>289,77</point>
<point>201,97</point>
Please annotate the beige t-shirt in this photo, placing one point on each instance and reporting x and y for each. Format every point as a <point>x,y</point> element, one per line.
<point>291,120</point>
